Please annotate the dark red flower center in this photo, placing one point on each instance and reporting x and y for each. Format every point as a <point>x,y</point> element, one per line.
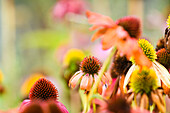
<point>90,65</point>
<point>43,89</point>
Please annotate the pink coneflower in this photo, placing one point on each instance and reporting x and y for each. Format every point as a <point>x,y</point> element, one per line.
<point>88,74</point>
<point>42,94</point>
<point>63,7</point>
<point>120,34</point>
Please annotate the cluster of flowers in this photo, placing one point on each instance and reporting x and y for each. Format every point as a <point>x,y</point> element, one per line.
<point>138,75</point>
<point>134,78</point>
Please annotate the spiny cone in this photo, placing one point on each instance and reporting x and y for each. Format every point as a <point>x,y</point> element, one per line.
<point>43,89</point>
<point>90,65</point>
<point>132,25</point>
<point>163,57</point>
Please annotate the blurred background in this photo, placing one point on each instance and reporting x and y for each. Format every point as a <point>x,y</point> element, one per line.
<point>35,35</point>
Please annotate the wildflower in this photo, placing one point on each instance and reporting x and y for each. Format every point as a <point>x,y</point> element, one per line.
<point>71,62</point>
<point>42,92</point>
<point>160,70</point>
<point>88,74</point>
<point>71,55</point>
<point>64,7</point>
<point>29,82</point>
<point>113,34</point>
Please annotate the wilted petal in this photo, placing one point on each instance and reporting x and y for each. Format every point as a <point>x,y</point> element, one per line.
<point>99,20</point>
<point>84,82</point>
<point>73,81</point>
<point>90,82</point>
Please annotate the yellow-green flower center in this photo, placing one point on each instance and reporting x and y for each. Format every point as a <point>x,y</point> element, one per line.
<point>143,81</point>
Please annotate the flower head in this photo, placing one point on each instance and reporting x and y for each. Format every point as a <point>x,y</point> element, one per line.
<point>132,25</point>
<point>120,65</point>
<point>160,44</point>
<point>163,57</point>
<point>43,89</point>
<point>113,34</point>
<point>43,99</point>
<point>143,81</point>
<point>64,7</point>
<point>88,74</point>
<point>168,21</point>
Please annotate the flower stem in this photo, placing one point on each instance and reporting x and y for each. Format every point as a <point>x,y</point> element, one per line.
<point>103,69</point>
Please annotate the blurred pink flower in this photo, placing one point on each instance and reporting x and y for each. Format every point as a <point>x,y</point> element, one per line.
<point>64,7</point>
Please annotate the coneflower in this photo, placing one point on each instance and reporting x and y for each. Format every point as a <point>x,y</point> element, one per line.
<point>41,93</point>
<point>161,71</point>
<point>43,89</point>
<point>89,69</point>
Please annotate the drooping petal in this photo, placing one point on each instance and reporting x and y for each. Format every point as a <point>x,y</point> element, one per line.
<point>141,59</point>
<point>99,20</point>
<point>98,34</point>
<point>84,82</point>
<point>162,73</point>
<point>127,77</point>
<point>73,81</point>
<point>99,88</point>
<point>90,82</point>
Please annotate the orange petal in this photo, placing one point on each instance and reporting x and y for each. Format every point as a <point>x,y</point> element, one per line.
<point>90,82</point>
<point>99,20</point>
<point>141,59</point>
<point>98,34</point>
<point>78,72</point>
<point>84,82</point>
<point>75,79</point>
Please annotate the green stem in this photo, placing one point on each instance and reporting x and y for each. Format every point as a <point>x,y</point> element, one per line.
<point>103,69</point>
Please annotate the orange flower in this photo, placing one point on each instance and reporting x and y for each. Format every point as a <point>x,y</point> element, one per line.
<point>113,34</point>
<point>88,74</point>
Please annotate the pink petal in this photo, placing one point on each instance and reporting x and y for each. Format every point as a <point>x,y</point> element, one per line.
<point>84,82</point>
<point>75,79</point>
<point>99,20</point>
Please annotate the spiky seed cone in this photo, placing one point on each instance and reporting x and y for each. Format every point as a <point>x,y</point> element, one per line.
<point>90,65</point>
<point>163,57</point>
<point>132,25</point>
<point>120,65</point>
<point>148,49</point>
<point>43,89</point>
